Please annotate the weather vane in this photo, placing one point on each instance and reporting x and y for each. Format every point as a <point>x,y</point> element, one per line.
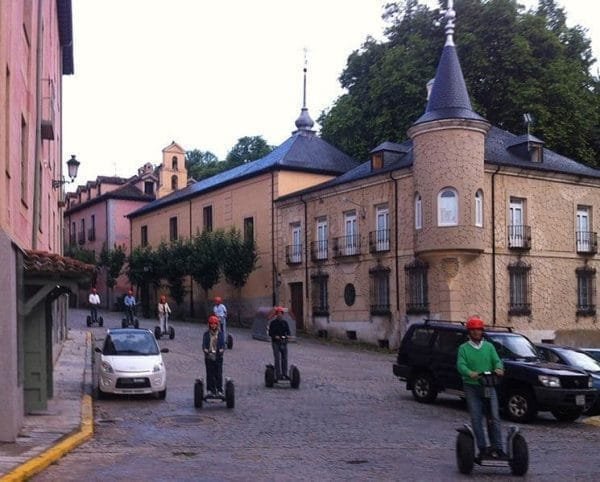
<point>449,15</point>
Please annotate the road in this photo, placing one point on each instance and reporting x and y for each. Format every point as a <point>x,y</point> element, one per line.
<point>349,420</point>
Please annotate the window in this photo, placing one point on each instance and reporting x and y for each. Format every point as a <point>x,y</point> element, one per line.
<point>479,208</point>
<point>518,236</point>
<point>418,212</point>
<point>586,291</point>
<point>174,163</point>
<point>73,234</point>
<point>585,238</point>
<point>81,236</point>
<point>448,341</point>
<point>381,241</point>
<point>207,218</point>
<point>249,229</point>
<point>24,161</point>
<point>422,337</point>
<point>295,250</point>
<point>174,183</point>
<point>148,187</point>
<point>349,294</point>
<point>416,287</point>
<point>173,229</point>
<point>322,237</point>
<point>144,236</point>
<point>520,289</point>
<point>350,244</point>
<point>377,161</point>
<point>380,290</point>
<point>320,305</point>
<point>92,232</point>
<point>447,207</point>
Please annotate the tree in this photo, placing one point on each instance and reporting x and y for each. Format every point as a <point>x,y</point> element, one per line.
<point>247,149</point>
<point>112,261</point>
<point>205,259</point>
<point>202,164</point>
<point>239,258</point>
<point>172,265</point>
<point>514,61</point>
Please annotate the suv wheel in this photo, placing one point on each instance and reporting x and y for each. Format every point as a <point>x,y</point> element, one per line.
<point>520,405</point>
<point>423,388</point>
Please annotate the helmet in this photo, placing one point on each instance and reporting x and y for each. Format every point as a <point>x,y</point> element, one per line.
<point>475,323</point>
<point>163,299</point>
<point>130,292</point>
<point>279,310</point>
<point>218,300</point>
<point>93,290</point>
<point>213,320</point>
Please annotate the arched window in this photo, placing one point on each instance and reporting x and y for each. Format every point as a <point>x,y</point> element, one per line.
<point>418,212</point>
<point>447,207</point>
<point>174,183</point>
<point>479,208</point>
<point>174,161</point>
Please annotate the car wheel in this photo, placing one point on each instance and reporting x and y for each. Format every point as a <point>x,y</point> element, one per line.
<point>269,376</point>
<point>162,394</point>
<point>566,414</point>
<point>519,462</point>
<point>198,393</point>
<point>520,405</point>
<point>229,394</point>
<point>424,390</point>
<point>465,453</point>
<point>294,377</point>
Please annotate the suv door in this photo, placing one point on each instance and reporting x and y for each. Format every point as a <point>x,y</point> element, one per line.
<point>445,351</point>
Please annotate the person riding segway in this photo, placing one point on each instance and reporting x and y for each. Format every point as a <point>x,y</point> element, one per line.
<point>164,313</point>
<point>220,311</point>
<point>279,331</point>
<point>94,302</point>
<point>130,319</point>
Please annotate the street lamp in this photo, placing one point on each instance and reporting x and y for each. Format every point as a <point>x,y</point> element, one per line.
<point>72,166</point>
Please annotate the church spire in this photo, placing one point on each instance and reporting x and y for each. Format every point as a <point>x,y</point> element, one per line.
<point>304,123</point>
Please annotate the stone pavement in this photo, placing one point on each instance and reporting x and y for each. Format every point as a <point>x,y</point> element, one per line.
<point>68,420</point>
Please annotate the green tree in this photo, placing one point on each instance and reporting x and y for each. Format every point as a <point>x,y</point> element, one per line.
<point>205,255</point>
<point>112,260</point>
<point>239,258</point>
<point>247,149</point>
<point>514,61</point>
<point>202,164</point>
<point>173,264</point>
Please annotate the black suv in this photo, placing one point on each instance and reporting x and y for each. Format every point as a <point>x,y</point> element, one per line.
<point>427,362</point>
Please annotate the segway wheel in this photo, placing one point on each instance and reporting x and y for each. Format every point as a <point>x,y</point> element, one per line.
<point>465,453</point>
<point>198,393</point>
<point>136,323</point>
<point>294,377</point>
<point>519,463</point>
<point>157,332</point>
<point>229,394</point>
<point>100,321</point>
<point>229,342</point>
<point>88,320</point>
<point>123,323</point>
<point>171,332</point>
<point>269,376</point>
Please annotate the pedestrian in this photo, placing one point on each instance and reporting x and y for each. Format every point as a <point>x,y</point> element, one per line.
<point>476,356</point>
<point>164,312</point>
<point>279,331</point>
<point>213,345</point>
<point>129,302</point>
<point>94,302</point>
<point>220,311</point>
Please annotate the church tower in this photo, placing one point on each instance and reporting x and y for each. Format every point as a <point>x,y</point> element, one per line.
<point>172,172</point>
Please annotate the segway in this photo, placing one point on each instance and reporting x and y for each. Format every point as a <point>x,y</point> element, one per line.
<point>130,319</point>
<point>89,321</point>
<point>292,377</point>
<point>200,397</point>
<point>169,330</point>
<point>517,451</point>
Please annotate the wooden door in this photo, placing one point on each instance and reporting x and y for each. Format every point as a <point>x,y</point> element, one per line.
<point>297,297</point>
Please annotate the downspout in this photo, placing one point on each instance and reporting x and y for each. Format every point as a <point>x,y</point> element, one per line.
<point>494,246</point>
<point>106,218</point>
<point>191,278</point>
<point>38,132</point>
<point>273,271</point>
<point>305,248</point>
<point>396,260</point>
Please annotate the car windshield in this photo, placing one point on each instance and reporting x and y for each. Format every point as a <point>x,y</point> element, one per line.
<point>130,343</point>
<point>580,360</point>
<point>511,345</point>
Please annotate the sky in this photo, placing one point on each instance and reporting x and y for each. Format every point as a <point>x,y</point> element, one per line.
<point>204,73</point>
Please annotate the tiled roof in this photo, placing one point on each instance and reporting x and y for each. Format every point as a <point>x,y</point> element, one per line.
<point>127,193</point>
<point>44,263</point>
<point>300,152</point>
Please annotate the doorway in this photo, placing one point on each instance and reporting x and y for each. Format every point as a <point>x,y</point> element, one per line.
<point>297,299</point>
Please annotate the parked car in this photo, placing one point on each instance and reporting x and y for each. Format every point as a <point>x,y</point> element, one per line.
<point>593,352</point>
<point>427,362</point>
<point>131,363</point>
<point>575,358</point>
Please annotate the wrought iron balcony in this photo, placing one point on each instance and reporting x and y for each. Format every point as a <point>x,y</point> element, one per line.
<point>519,237</point>
<point>346,246</point>
<point>319,250</point>
<point>293,254</point>
<point>587,242</point>
<point>379,241</point>
<point>417,308</point>
<point>380,309</point>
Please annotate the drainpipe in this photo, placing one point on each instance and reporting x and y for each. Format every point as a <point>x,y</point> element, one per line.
<point>106,218</point>
<point>494,246</point>
<point>38,132</point>
<point>396,260</point>
<point>305,248</point>
<point>273,271</point>
<point>191,278</point>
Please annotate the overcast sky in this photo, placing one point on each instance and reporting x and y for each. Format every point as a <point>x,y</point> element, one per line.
<point>205,73</point>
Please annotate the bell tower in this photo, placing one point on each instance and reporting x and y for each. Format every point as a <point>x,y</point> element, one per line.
<point>172,173</point>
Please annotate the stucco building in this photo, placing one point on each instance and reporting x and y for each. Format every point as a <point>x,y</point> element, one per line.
<point>35,52</point>
<point>462,218</point>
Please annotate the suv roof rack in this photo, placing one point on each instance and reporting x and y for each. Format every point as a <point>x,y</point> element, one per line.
<point>430,320</point>
<point>462,323</point>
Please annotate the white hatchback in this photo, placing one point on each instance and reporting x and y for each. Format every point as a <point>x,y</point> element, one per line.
<point>131,363</point>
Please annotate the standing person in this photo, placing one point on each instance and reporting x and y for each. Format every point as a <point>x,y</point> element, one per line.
<point>279,330</point>
<point>164,312</point>
<point>213,345</point>
<point>220,311</point>
<point>474,357</point>
<point>129,302</point>
<point>94,301</point>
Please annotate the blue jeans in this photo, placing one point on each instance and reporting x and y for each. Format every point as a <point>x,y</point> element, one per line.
<point>477,404</point>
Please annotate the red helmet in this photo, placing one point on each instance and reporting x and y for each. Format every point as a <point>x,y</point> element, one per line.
<point>163,299</point>
<point>130,292</point>
<point>475,323</point>
<point>218,300</point>
<point>279,310</point>
<point>213,320</point>
<point>93,290</point>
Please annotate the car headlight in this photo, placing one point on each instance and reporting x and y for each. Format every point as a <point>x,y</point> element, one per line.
<point>547,381</point>
<point>106,368</point>
<point>157,368</point>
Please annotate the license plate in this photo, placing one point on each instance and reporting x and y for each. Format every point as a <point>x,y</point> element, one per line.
<point>142,380</point>
<point>580,400</point>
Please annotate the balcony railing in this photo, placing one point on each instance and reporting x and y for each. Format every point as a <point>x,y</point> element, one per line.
<point>417,308</point>
<point>319,250</point>
<point>380,309</point>
<point>519,309</point>
<point>586,310</point>
<point>587,242</point>
<point>379,240</point>
<point>81,237</point>
<point>293,254</point>
<point>91,234</point>
<point>346,245</point>
<point>519,237</point>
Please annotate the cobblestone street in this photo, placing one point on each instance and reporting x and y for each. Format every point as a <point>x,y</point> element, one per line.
<point>351,419</point>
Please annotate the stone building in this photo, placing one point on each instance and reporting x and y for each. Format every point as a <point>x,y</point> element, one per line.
<point>462,218</point>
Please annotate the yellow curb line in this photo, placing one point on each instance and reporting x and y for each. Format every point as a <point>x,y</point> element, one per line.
<point>592,421</point>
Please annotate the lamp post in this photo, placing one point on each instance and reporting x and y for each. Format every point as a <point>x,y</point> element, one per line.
<point>72,167</point>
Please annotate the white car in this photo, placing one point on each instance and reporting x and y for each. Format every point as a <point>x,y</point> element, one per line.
<point>131,363</point>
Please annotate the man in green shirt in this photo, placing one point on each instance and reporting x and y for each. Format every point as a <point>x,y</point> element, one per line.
<point>474,357</point>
